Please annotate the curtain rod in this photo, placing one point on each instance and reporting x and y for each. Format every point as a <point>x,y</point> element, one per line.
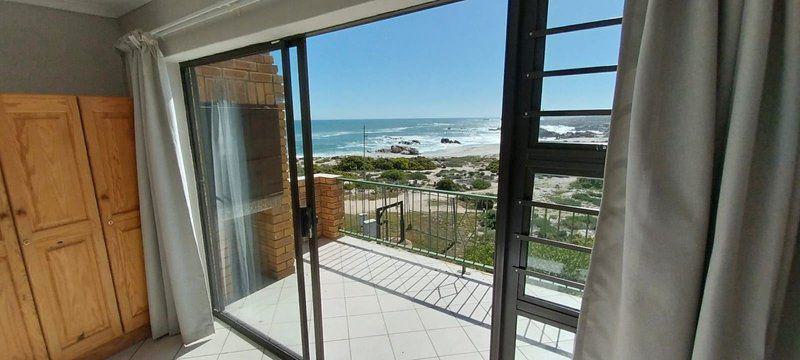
<point>201,16</point>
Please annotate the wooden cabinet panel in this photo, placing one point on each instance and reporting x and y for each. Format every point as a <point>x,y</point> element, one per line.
<point>20,334</point>
<point>108,126</point>
<point>52,198</point>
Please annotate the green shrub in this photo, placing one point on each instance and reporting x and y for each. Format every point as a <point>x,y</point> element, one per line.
<point>382,163</point>
<point>420,163</point>
<point>480,184</point>
<point>493,166</point>
<point>354,163</point>
<point>447,184</point>
<point>417,176</point>
<point>563,200</point>
<point>590,198</point>
<point>587,183</point>
<point>393,175</point>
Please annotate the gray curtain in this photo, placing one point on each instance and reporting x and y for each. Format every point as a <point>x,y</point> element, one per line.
<point>696,253</point>
<point>176,281</point>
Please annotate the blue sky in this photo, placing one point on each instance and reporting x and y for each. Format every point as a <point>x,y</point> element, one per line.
<point>448,62</point>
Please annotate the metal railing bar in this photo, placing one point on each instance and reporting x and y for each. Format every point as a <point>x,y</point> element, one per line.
<point>578,27</point>
<point>548,277</point>
<point>543,205</point>
<point>575,71</point>
<point>584,112</point>
<point>436,191</point>
<point>555,243</point>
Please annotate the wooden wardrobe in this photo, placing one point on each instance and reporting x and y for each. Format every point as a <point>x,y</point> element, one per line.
<point>71,251</point>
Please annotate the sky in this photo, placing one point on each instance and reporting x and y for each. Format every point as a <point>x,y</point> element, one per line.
<point>448,61</point>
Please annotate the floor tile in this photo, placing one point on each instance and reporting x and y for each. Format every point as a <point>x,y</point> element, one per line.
<point>242,355</point>
<point>390,302</point>
<point>362,305</point>
<point>435,319</point>
<point>451,341</point>
<point>412,345</point>
<point>467,356</point>
<point>333,308</point>
<point>208,346</point>
<point>337,350</point>
<point>335,328</point>
<point>366,325</point>
<point>163,348</point>
<point>479,335</point>
<point>371,348</point>
<point>127,353</point>
<point>237,342</point>
<point>402,321</point>
<point>354,289</point>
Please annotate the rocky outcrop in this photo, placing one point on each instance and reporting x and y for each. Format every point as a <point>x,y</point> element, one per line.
<point>450,141</point>
<point>409,142</point>
<point>399,149</point>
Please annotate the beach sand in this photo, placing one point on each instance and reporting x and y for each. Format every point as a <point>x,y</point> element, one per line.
<point>466,150</point>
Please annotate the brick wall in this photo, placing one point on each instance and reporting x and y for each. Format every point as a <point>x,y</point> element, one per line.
<point>329,204</point>
<point>253,81</point>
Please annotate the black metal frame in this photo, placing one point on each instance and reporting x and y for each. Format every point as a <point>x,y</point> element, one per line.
<point>522,156</point>
<point>204,181</point>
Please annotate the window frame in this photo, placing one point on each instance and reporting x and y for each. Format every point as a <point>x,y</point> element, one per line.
<point>523,156</point>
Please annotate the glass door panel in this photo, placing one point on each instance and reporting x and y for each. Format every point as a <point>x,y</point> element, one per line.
<point>251,214</point>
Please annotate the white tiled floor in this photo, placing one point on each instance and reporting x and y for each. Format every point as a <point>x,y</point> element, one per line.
<point>378,303</point>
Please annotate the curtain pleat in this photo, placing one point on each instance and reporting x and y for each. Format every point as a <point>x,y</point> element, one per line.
<point>696,240</point>
<point>177,284</point>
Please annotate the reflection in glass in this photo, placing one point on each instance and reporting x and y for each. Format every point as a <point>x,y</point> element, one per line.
<point>242,133</point>
<point>567,221</point>
<point>575,92</point>
<point>569,12</point>
<point>593,47</point>
<point>537,341</point>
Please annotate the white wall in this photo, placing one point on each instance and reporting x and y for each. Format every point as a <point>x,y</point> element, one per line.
<point>44,50</point>
<point>264,21</point>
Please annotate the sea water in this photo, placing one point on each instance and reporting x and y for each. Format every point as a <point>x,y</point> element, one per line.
<point>359,136</point>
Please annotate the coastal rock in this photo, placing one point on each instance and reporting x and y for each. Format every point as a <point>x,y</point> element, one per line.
<point>450,141</point>
<point>409,142</point>
<point>577,134</point>
<point>399,149</point>
<point>544,133</point>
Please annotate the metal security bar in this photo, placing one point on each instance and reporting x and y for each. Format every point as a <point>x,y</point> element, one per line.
<point>459,227</point>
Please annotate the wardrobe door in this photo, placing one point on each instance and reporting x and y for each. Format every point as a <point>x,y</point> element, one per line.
<point>108,126</point>
<point>20,335</point>
<point>50,189</point>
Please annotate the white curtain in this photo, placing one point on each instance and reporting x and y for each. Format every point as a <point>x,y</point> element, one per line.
<point>696,253</point>
<point>235,206</point>
<point>176,280</point>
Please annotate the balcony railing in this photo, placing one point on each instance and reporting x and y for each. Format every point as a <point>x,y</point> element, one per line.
<point>459,228</point>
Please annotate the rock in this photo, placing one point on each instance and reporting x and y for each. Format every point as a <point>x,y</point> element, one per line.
<point>543,133</point>
<point>450,141</point>
<point>409,142</point>
<point>399,149</point>
<point>577,134</point>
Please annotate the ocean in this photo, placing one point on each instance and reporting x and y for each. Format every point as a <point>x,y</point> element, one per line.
<point>346,137</point>
<point>342,137</point>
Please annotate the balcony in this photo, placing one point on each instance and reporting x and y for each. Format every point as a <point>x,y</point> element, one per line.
<point>410,274</point>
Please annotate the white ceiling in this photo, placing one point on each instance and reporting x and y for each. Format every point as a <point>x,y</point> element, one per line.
<point>107,8</point>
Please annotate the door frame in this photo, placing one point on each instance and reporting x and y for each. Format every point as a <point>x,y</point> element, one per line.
<point>200,154</point>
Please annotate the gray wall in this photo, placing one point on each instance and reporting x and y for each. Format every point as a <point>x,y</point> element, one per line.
<point>263,21</point>
<point>52,51</point>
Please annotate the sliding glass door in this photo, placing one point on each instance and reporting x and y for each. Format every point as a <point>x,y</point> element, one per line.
<point>260,238</point>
